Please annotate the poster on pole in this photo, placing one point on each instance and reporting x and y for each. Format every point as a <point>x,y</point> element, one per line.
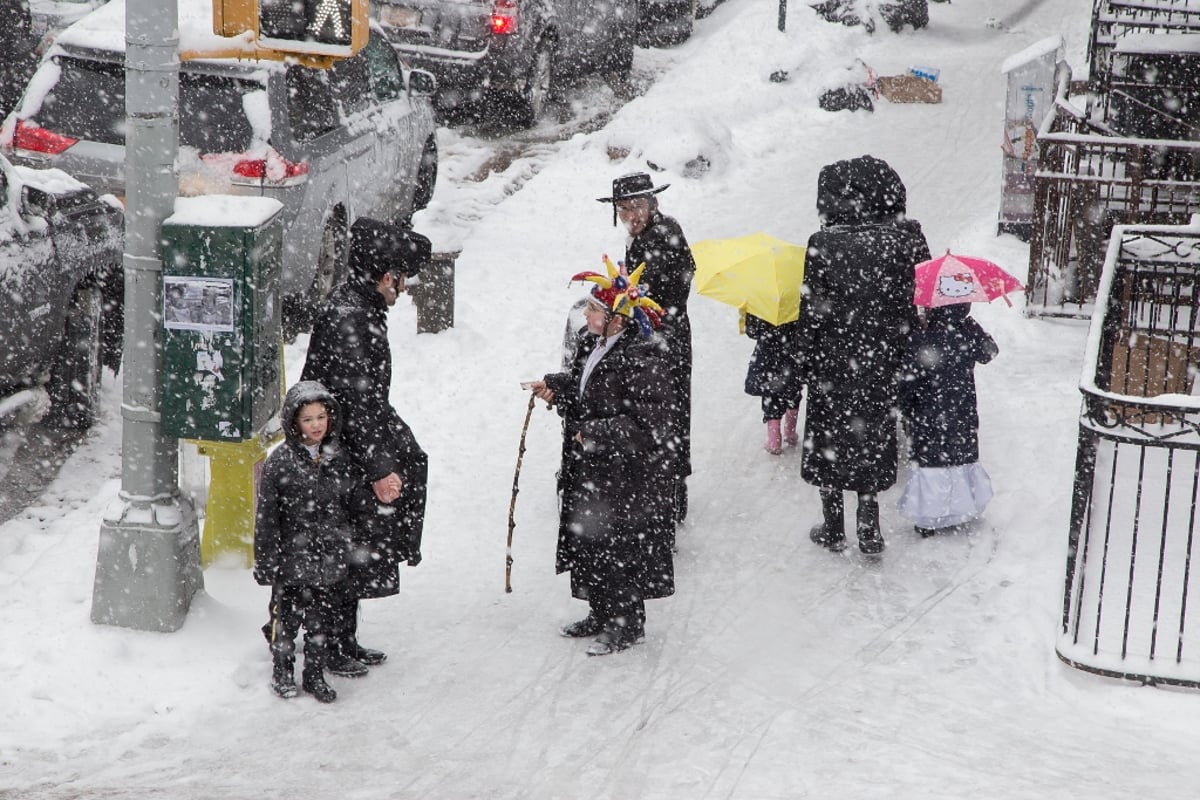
<point>1028,99</point>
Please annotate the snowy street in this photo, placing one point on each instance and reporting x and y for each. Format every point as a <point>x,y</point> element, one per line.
<point>778,670</point>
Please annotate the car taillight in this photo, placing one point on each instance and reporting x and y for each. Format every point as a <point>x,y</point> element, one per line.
<point>504,17</point>
<point>271,170</point>
<point>35,139</point>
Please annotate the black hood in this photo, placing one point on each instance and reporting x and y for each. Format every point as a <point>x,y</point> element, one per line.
<point>301,394</point>
<point>863,190</point>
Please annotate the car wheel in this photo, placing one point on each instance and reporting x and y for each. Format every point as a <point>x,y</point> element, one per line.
<point>528,105</point>
<point>427,173</point>
<point>74,386</point>
<point>330,260</point>
<point>299,312</point>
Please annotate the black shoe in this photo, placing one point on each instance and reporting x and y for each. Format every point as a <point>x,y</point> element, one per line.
<point>925,532</point>
<point>834,541</point>
<point>580,629</point>
<point>365,655</point>
<point>346,666</point>
<point>870,541</point>
<point>611,642</point>
<point>314,683</point>
<point>283,682</point>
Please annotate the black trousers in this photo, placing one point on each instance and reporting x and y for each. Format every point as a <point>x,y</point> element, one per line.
<point>313,608</point>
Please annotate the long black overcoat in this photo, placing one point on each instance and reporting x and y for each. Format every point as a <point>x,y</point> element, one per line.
<point>856,314</point>
<point>302,525</point>
<point>774,369</point>
<point>938,393</point>
<point>349,353</point>
<point>616,487</point>
<point>664,250</point>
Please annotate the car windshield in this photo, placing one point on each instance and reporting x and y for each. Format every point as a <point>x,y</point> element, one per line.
<point>88,102</point>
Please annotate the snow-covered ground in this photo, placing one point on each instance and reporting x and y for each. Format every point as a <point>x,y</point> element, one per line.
<point>778,670</point>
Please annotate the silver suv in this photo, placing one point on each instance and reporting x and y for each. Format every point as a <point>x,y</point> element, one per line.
<point>330,145</point>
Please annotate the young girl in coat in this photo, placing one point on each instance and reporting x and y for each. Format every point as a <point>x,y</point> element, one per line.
<point>302,536</point>
<point>947,486</point>
<point>774,375</point>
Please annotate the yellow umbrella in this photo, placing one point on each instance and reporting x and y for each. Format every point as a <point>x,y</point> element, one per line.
<point>757,274</point>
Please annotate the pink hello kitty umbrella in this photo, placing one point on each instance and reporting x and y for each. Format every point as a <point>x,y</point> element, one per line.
<point>951,279</point>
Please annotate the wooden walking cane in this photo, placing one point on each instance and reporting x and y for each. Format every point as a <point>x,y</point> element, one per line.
<point>512,506</point>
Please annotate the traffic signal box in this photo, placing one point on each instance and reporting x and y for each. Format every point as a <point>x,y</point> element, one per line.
<point>222,360</point>
<point>314,31</point>
<point>221,259</point>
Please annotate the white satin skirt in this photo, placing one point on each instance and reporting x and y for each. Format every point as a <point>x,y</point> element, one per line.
<point>938,497</point>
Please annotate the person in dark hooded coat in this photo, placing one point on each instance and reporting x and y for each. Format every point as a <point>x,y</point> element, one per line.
<point>616,528</point>
<point>302,534</point>
<point>657,241</point>
<point>774,375</point>
<point>856,316</point>
<point>350,354</point>
<point>948,485</point>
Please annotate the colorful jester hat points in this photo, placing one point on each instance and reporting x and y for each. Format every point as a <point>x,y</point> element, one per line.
<point>620,291</point>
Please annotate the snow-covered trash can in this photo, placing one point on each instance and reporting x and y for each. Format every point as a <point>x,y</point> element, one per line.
<point>1130,583</point>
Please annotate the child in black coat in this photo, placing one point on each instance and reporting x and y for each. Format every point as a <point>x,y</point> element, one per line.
<point>302,535</point>
<point>947,486</point>
<point>774,375</point>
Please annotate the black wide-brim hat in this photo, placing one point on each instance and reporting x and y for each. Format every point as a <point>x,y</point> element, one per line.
<point>635,184</point>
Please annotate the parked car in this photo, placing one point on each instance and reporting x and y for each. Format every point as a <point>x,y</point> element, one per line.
<point>51,17</point>
<point>18,44</point>
<point>665,22</point>
<point>330,145</point>
<point>508,55</point>
<point>61,293</point>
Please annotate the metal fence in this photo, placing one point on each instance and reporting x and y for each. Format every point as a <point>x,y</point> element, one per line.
<point>1113,20</point>
<point>1088,180</point>
<point>1129,584</point>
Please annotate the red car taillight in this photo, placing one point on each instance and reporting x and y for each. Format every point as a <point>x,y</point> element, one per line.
<point>271,170</point>
<point>27,136</point>
<point>504,17</point>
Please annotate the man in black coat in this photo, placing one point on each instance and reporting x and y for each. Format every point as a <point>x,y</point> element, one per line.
<point>856,316</point>
<point>349,353</point>
<point>615,523</point>
<point>658,242</point>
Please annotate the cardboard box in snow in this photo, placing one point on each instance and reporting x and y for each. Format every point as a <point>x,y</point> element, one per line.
<point>908,89</point>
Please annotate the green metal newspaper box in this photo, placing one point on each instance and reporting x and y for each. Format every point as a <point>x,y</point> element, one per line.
<point>221,258</point>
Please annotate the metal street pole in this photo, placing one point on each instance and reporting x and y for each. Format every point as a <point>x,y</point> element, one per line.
<point>782,14</point>
<point>148,562</point>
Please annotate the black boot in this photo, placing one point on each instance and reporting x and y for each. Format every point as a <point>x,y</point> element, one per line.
<point>365,655</point>
<point>283,681</point>
<point>870,540</point>
<point>342,644</point>
<point>831,533</point>
<point>314,683</point>
<point>588,626</point>
<point>317,648</point>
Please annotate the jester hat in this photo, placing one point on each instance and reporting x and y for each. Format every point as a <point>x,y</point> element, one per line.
<point>620,292</point>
